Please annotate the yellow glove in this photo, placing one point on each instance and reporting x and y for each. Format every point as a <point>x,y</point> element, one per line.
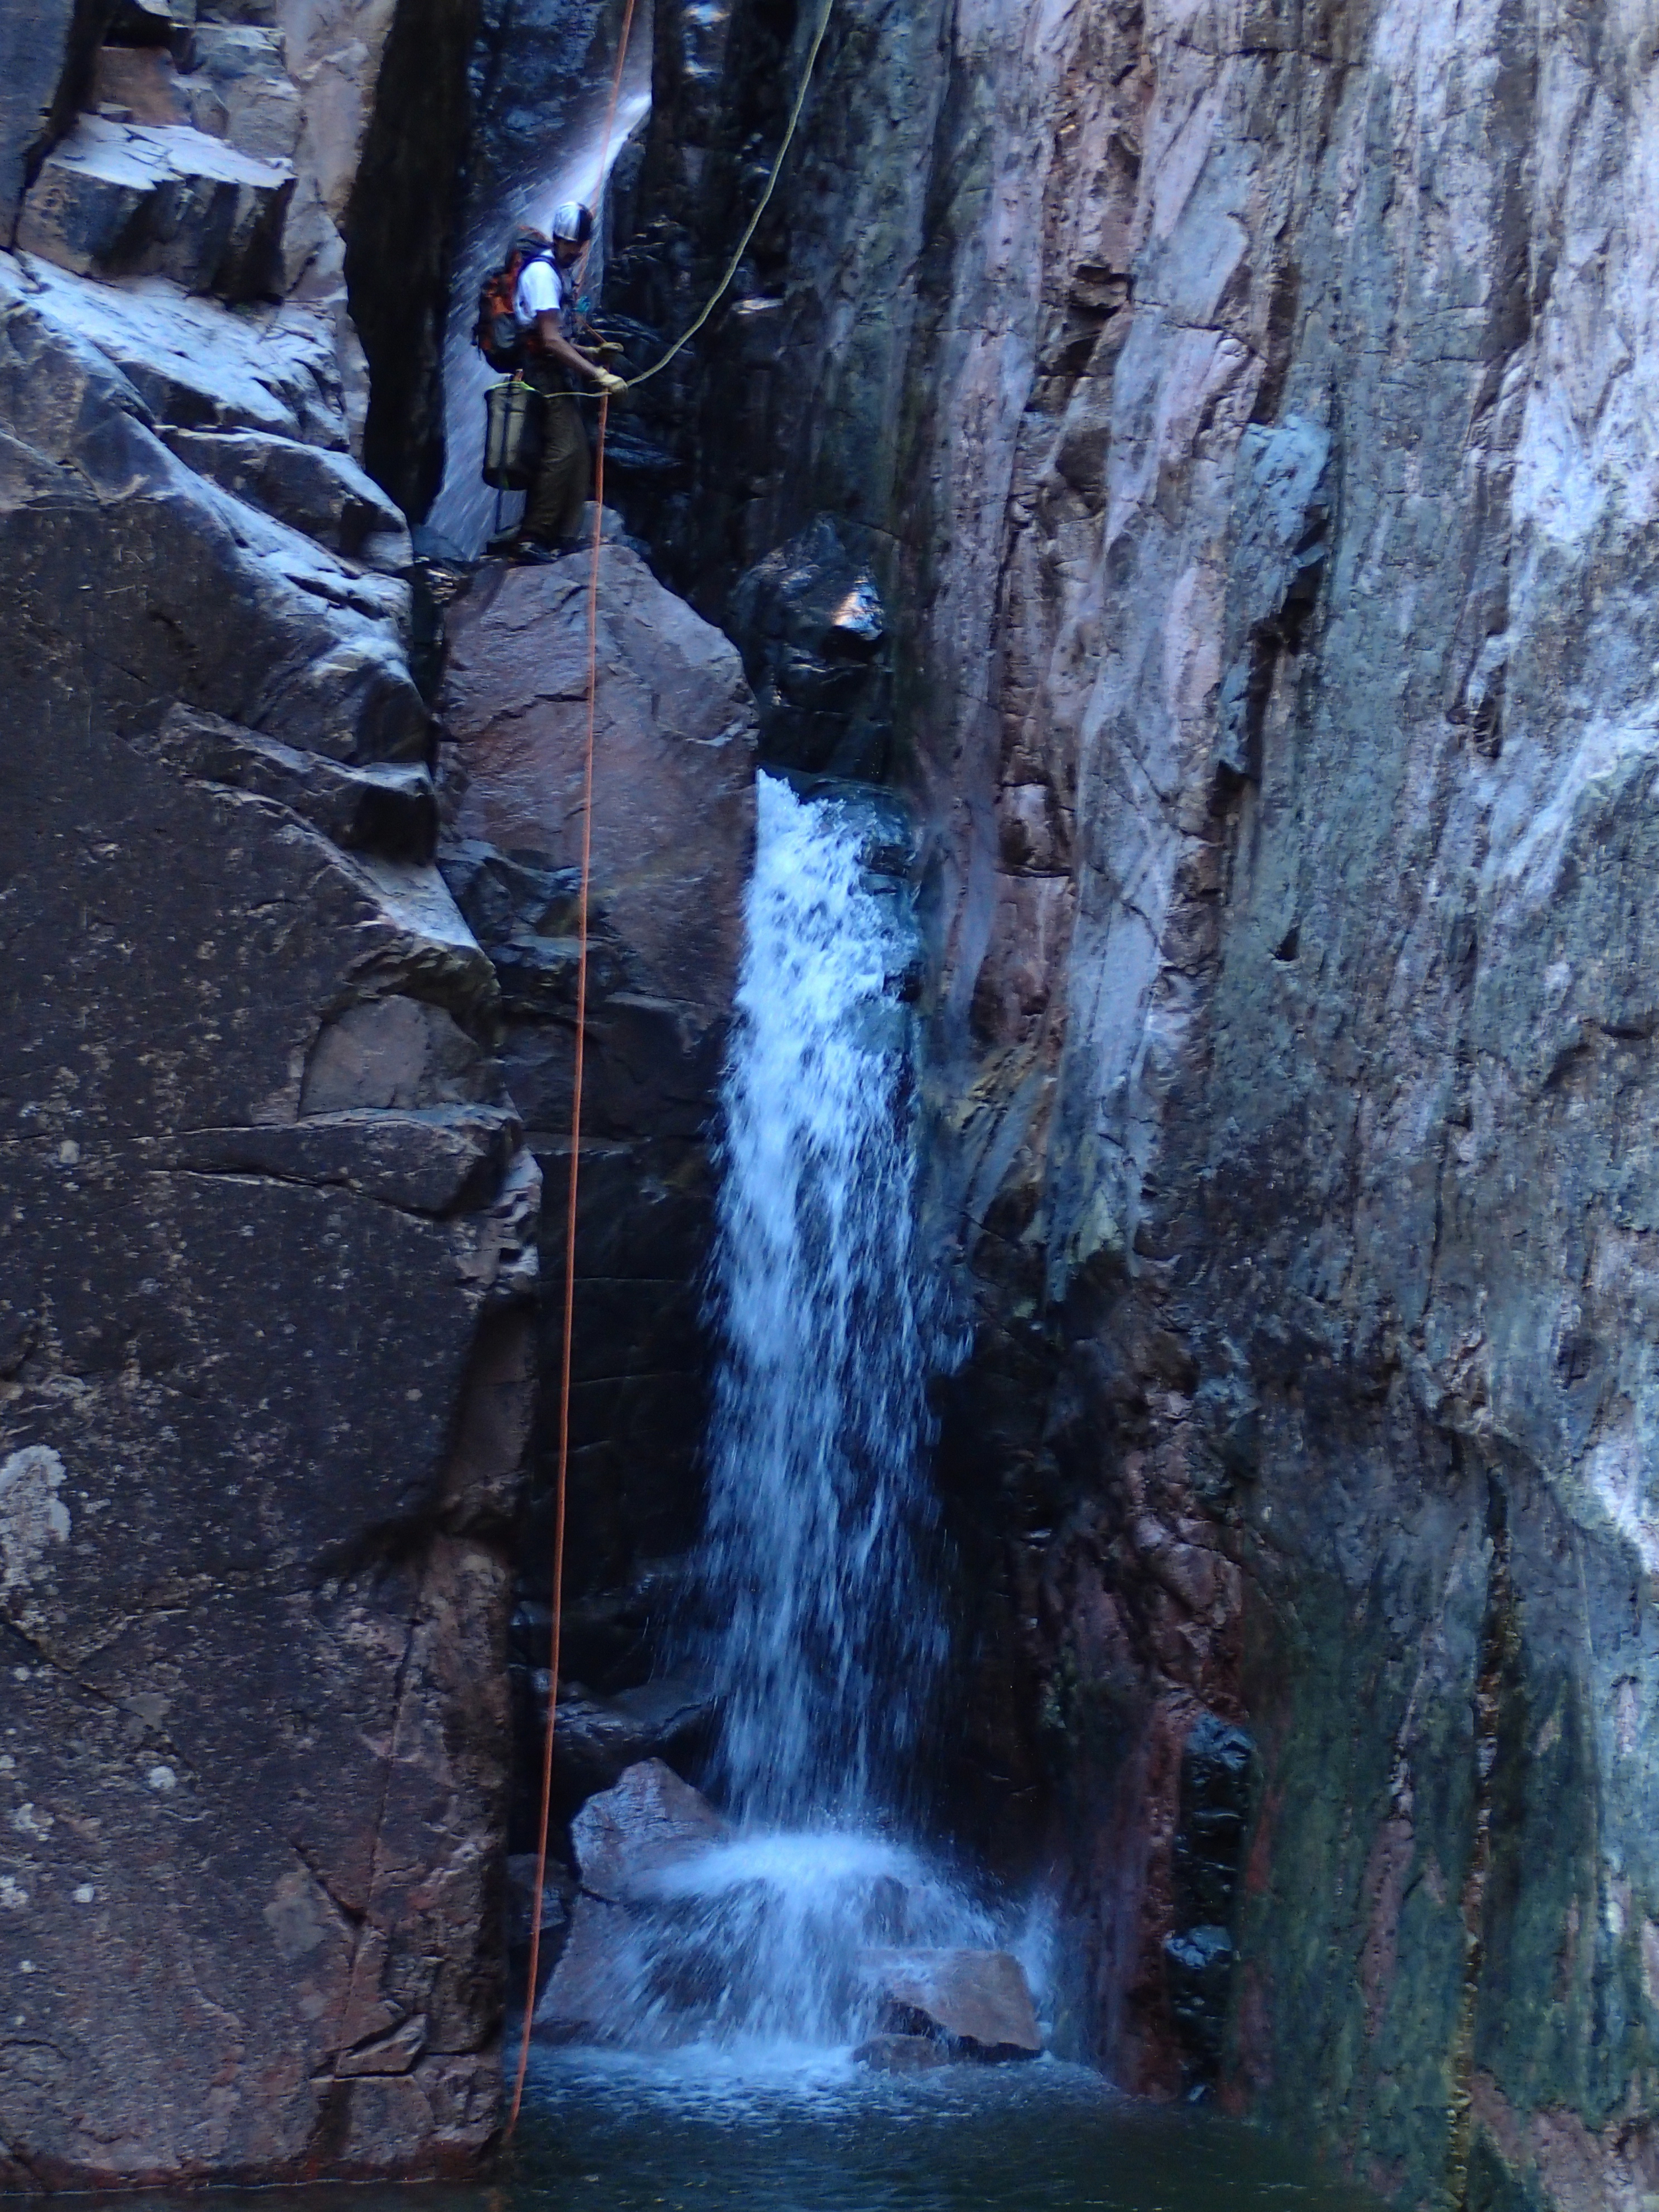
<point>612,386</point>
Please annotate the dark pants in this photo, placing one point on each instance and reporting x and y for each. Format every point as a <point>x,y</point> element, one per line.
<point>554,509</point>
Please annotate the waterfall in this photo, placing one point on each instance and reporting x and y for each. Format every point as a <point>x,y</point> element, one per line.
<point>821,1626</point>
<point>824,1632</point>
<point>829,1638</point>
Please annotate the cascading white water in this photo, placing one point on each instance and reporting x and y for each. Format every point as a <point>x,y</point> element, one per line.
<point>822,1630</point>
<point>828,1637</point>
<point>824,1635</point>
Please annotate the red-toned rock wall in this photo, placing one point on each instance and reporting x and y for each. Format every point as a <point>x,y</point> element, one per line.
<point>1243,404</point>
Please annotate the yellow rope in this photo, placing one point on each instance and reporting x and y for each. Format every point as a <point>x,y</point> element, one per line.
<point>719,293</point>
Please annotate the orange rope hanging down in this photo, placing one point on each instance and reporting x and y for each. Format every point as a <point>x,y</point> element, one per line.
<point>561,1483</point>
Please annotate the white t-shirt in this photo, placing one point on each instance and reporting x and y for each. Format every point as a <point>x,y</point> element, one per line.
<point>543,289</point>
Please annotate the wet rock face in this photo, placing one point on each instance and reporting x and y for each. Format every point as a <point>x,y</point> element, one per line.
<point>1214,1809</point>
<point>266,1274</point>
<point>811,623</point>
<point>1265,543</point>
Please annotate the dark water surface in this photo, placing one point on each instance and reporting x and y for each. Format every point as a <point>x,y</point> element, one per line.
<point>631,2134</point>
<point>827,2136</point>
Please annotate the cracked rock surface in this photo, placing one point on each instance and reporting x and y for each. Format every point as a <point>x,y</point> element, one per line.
<point>268,1251</point>
<point>1246,408</point>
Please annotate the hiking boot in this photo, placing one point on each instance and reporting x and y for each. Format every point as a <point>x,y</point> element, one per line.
<point>530,553</point>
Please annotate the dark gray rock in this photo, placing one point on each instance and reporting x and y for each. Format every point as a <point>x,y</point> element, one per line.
<point>301,649</point>
<point>670,1719</point>
<point>388,808</point>
<point>809,621</point>
<point>325,494</point>
<point>129,198</point>
<point>194,365</point>
<point>40,43</point>
<point>557,1907</point>
<point>1216,1762</point>
<point>1200,1964</point>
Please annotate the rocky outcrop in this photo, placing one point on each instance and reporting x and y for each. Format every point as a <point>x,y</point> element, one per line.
<point>1255,482</point>
<point>266,1275</point>
<point>672,826</point>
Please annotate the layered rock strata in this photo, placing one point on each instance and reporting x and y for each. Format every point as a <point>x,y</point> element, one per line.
<point>267,1268</point>
<point>1244,404</point>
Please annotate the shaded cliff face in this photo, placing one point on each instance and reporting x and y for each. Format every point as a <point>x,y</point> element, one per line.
<point>673,831</point>
<point>1245,406</point>
<point>266,1269</point>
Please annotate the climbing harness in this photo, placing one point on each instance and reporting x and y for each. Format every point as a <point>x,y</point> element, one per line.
<point>563,1461</point>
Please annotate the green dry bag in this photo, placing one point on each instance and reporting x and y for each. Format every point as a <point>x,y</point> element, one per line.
<point>512,435</point>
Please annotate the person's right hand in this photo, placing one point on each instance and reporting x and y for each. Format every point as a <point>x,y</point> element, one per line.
<point>612,386</point>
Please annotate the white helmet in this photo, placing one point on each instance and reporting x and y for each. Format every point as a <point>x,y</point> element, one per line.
<point>572,221</point>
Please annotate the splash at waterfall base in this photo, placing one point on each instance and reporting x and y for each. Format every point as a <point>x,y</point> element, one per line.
<point>685,1931</point>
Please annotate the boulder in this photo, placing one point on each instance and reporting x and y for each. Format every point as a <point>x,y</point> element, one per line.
<point>675,736</point>
<point>239,90</point>
<point>673,823</point>
<point>558,1900</point>
<point>811,625</point>
<point>160,199</point>
<point>976,2003</point>
<point>595,1993</point>
<point>629,1835</point>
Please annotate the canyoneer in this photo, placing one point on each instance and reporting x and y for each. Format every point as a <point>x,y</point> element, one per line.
<point>542,270</point>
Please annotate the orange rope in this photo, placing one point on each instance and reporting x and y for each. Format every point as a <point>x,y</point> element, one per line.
<point>561,1482</point>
